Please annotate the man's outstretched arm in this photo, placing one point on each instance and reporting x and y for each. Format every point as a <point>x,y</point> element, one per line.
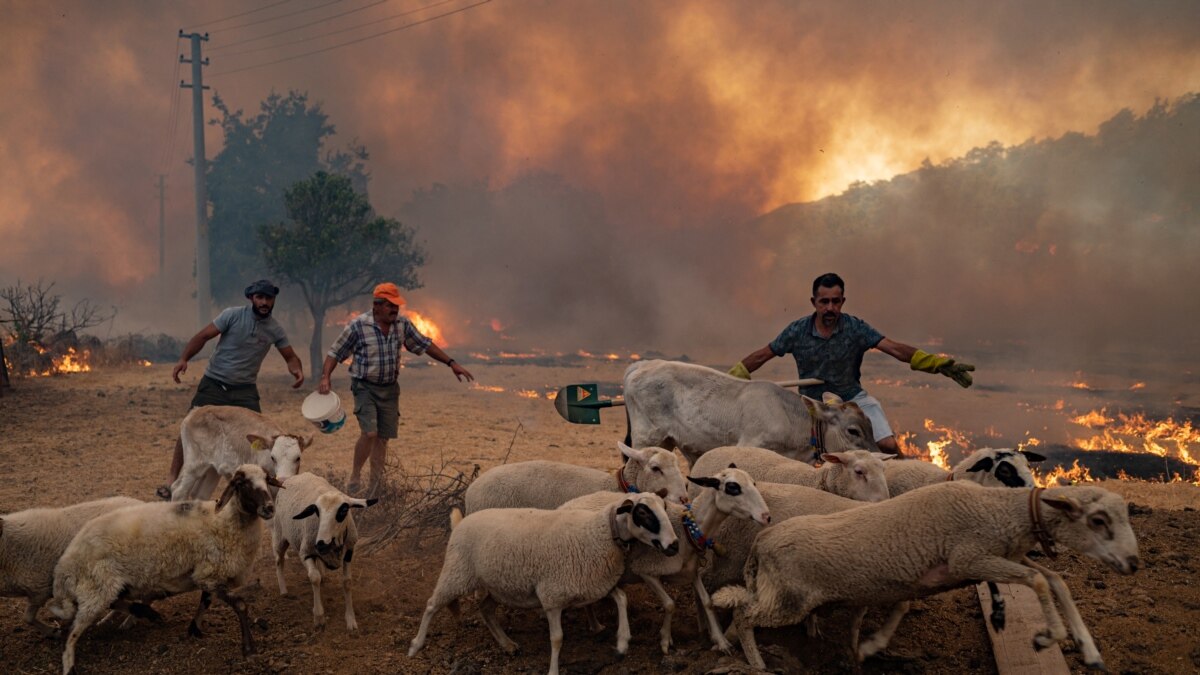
<point>926,362</point>
<point>193,348</point>
<point>753,361</point>
<point>295,366</point>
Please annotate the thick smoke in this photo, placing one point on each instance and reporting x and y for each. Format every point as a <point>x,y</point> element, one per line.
<point>601,161</point>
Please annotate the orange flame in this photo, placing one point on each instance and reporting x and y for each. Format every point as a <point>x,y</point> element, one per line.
<point>427,327</point>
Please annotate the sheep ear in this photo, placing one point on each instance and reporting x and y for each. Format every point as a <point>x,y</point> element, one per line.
<point>984,464</point>
<point>1031,456</point>
<point>626,506</point>
<point>275,482</point>
<point>832,457</point>
<point>883,456</point>
<point>732,465</point>
<point>258,442</point>
<point>361,503</point>
<point>706,481</point>
<point>662,493</point>
<point>228,493</point>
<point>310,511</point>
<point>1068,505</point>
<point>630,453</point>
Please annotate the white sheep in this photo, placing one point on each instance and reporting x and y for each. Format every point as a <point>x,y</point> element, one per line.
<point>151,551</point>
<point>857,474</point>
<point>990,467</point>
<point>730,493</point>
<point>784,501</point>
<point>327,540</point>
<point>218,438</point>
<point>544,559</point>
<point>32,541</point>
<point>541,484</point>
<point>925,542</point>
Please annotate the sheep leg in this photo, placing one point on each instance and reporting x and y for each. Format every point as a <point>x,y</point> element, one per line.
<point>880,638</point>
<point>997,616</point>
<point>554,618</point>
<point>281,548</point>
<point>440,598</point>
<point>205,603</point>
<point>745,631</point>
<point>351,623</point>
<point>855,630</point>
<point>707,617</point>
<point>623,633</point>
<point>1007,571</point>
<point>239,607</point>
<point>1083,637</point>
<point>35,603</point>
<point>668,603</point>
<point>487,610</point>
<point>594,624</point>
<point>86,615</point>
<point>314,578</point>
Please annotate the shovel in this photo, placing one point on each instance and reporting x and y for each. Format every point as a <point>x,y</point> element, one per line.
<point>581,403</point>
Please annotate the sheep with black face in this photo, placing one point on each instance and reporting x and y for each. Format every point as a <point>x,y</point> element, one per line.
<point>318,520</point>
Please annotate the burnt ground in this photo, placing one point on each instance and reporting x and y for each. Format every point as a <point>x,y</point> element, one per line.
<point>66,439</point>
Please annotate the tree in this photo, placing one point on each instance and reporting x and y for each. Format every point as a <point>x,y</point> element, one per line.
<point>335,248</point>
<point>262,156</point>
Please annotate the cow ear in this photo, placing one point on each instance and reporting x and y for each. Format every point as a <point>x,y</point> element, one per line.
<point>258,442</point>
<point>305,441</point>
<point>832,457</point>
<point>830,398</point>
<point>310,511</point>
<point>984,464</point>
<point>1031,456</point>
<point>706,481</point>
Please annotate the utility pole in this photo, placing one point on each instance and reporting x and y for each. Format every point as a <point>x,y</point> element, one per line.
<point>203,287</point>
<point>162,228</point>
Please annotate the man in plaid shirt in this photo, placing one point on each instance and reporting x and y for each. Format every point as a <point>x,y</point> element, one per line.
<point>373,339</point>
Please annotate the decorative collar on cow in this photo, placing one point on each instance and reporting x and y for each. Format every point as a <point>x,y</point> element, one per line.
<point>626,486</point>
<point>816,435</point>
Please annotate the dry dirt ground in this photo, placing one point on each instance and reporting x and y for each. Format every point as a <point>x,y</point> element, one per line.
<point>70,438</point>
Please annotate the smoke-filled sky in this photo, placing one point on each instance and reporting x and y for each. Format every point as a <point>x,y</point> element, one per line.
<point>603,161</point>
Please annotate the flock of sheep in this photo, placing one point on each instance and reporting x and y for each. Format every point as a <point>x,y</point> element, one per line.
<point>861,530</point>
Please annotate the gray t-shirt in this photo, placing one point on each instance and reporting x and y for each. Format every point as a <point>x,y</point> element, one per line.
<point>244,343</point>
<point>837,360</point>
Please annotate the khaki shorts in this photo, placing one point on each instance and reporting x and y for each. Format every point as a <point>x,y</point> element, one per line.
<point>874,412</point>
<point>377,407</point>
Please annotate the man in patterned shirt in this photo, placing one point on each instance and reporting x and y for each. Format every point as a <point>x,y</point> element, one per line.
<point>829,345</point>
<point>373,339</point>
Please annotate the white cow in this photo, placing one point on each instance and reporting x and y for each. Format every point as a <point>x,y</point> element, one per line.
<point>695,408</point>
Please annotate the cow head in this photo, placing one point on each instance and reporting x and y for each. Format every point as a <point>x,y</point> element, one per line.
<point>284,458</point>
<point>845,425</point>
<point>333,518</point>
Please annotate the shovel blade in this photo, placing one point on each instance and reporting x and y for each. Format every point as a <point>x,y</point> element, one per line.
<point>580,403</point>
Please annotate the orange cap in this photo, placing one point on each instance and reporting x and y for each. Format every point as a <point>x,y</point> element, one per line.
<point>390,292</point>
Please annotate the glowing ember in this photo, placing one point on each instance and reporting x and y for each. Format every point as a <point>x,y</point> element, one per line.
<point>1081,385</point>
<point>1137,385</point>
<point>528,393</point>
<point>497,325</point>
<point>145,363</point>
<point>486,387</point>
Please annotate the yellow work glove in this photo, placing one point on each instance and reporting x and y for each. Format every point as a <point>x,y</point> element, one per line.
<point>929,363</point>
<point>740,371</point>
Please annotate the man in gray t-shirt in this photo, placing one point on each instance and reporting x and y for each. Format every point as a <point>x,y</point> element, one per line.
<point>246,335</point>
<point>830,345</point>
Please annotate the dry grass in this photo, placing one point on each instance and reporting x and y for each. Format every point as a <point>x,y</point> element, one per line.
<point>1170,496</point>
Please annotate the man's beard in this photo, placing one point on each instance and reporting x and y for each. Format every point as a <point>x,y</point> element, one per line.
<point>262,313</point>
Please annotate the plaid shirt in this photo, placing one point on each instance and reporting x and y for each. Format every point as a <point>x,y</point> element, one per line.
<point>376,356</point>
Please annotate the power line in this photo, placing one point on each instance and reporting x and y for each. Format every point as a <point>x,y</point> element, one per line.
<point>283,16</point>
<point>342,30</point>
<point>164,155</point>
<point>234,16</point>
<point>294,28</point>
<point>351,42</point>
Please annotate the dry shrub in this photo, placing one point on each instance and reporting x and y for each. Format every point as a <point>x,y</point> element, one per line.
<point>414,505</point>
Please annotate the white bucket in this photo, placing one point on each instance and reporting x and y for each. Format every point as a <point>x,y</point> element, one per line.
<point>324,411</point>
